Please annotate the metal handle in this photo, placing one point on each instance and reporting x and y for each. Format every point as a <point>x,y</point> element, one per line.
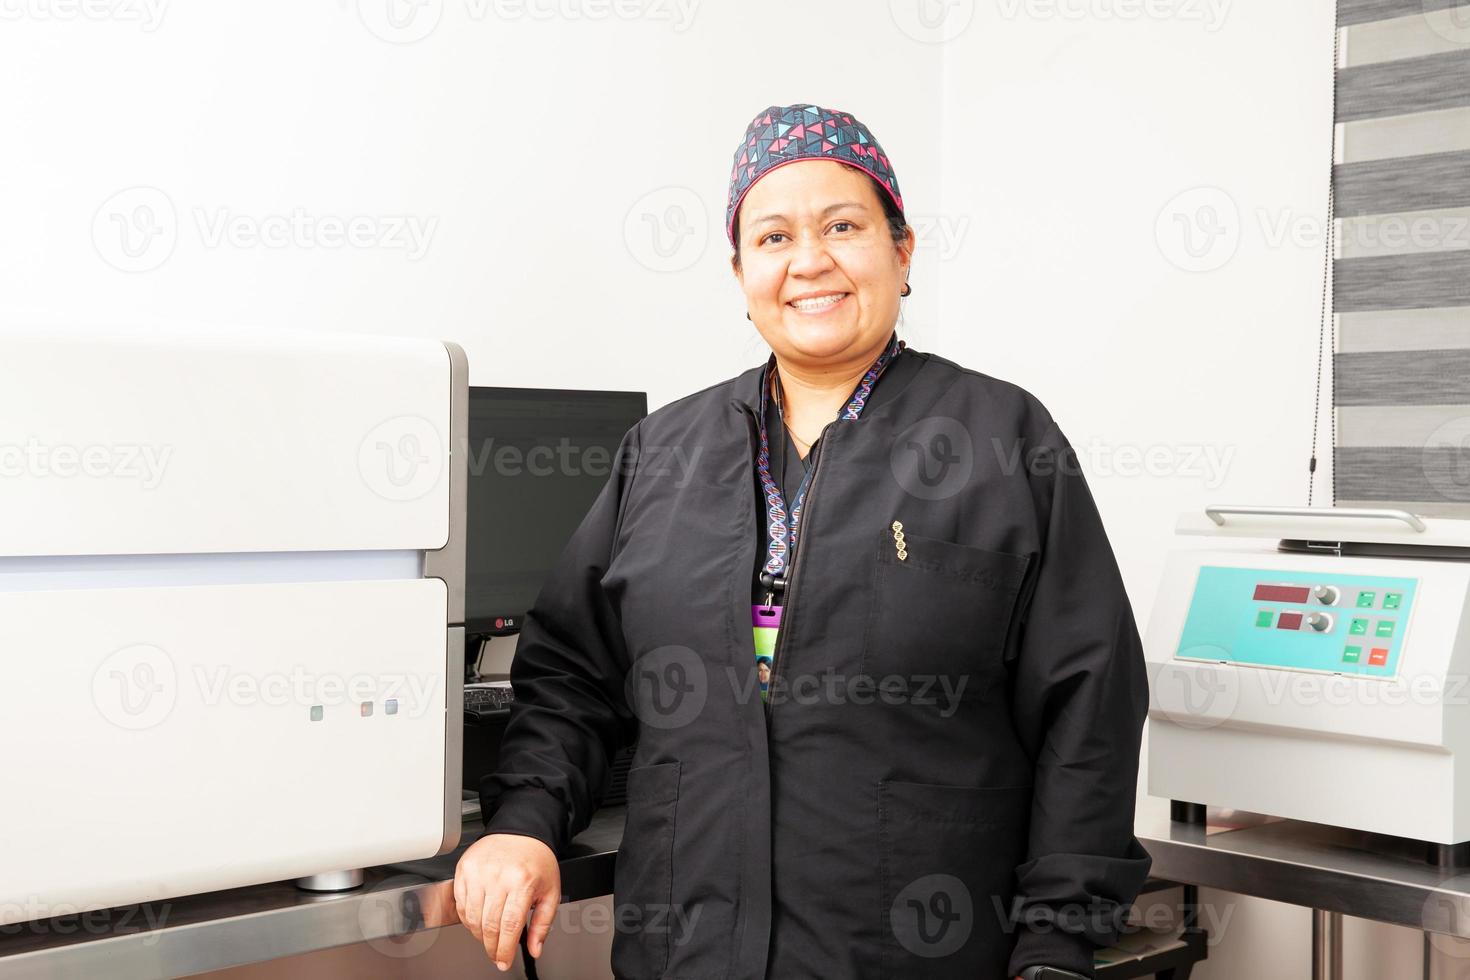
<point>1216,512</point>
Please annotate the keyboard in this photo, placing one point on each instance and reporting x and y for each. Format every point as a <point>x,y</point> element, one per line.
<point>488,698</point>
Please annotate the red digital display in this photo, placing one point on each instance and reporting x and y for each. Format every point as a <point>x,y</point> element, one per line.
<point>1289,621</point>
<point>1282,593</point>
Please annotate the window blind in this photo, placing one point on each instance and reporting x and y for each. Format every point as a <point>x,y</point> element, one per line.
<point>1401,269</point>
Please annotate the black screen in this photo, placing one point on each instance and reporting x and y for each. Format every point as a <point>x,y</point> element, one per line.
<point>538,458</point>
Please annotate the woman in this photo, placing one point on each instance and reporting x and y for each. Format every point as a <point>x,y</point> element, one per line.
<point>938,780</point>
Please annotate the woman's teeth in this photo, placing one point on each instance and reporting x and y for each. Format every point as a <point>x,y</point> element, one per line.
<point>817,303</point>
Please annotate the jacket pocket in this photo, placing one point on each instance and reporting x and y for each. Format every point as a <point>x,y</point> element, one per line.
<point>947,862</point>
<point>643,874</point>
<point>942,610</point>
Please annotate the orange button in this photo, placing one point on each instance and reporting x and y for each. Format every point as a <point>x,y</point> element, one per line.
<point>1377,657</point>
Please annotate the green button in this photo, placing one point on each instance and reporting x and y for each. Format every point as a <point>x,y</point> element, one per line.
<point>1359,627</point>
<point>1265,617</point>
<point>1384,628</point>
<point>1351,655</point>
<point>1391,600</point>
<point>1365,599</point>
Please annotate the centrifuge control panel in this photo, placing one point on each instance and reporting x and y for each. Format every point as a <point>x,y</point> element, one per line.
<point>1346,624</point>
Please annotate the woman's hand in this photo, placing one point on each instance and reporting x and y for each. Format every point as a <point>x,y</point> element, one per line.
<point>497,883</point>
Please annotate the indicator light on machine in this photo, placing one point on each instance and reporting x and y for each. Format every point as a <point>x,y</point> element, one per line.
<point>1281,593</point>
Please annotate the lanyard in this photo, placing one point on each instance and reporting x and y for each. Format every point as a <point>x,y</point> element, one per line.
<point>776,516</point>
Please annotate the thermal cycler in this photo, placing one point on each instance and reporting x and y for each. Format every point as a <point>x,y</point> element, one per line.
<point>231,610</point>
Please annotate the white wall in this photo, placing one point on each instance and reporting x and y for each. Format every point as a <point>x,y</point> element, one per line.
<point>507,162</point>
<point>1083,140</point>
<point>521,146</point>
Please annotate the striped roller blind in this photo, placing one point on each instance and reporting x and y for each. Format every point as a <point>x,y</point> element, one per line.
<point>1401,278</point>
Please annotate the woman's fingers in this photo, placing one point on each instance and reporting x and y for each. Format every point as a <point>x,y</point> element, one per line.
<point>459,881</point>
<point>541,919</point>
<point>490,916</point>
<point>512,920</point>
<point>469,900</point>
<point>498,881</point>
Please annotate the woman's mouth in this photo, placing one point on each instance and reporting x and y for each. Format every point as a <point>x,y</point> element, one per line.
<point>817,304</point>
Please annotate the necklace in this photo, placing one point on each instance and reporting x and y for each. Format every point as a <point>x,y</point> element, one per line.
<point>781,535</point>
<point>776,392</point>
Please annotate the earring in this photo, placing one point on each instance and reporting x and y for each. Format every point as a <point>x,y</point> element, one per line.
<point>747,316</point>
<point>905,290</point>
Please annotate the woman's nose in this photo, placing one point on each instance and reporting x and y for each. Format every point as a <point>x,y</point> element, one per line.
<point>810,257</point>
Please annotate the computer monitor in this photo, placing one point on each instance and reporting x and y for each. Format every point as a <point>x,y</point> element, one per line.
<point>538,457</point>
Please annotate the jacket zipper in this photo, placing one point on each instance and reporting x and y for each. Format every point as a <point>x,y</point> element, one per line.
<point>788,601</point>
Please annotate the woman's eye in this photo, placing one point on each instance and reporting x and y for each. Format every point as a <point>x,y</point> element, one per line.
<point>842,226</point>
<point>771,236</point>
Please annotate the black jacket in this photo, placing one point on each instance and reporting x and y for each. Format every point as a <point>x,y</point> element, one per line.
<point>943,784</point>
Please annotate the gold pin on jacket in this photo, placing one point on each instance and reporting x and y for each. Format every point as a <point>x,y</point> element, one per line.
<point>898,541</point>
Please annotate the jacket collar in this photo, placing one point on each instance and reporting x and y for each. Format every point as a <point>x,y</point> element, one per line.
<point>747,385</point>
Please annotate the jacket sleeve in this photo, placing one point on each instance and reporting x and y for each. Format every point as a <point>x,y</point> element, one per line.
<point>569,716</point>
<point>1080,697</point>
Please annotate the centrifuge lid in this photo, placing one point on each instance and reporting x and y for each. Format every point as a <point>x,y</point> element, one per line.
<point>1337,524</point>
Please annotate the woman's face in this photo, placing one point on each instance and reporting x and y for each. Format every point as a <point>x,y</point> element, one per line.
<point>819,267</point>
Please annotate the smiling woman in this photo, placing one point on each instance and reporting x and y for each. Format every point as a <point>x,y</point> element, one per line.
<point>823,271</point>
<point>919,758</point>
<point>820,244</point>
<point>826,250</point>
<point>823,265</point>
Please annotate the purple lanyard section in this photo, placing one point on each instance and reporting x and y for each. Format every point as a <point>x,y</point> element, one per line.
<point>776,527</point>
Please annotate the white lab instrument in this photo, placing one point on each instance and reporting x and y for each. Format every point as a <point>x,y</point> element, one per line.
<point>231,608</point>
<point>1311,663</point>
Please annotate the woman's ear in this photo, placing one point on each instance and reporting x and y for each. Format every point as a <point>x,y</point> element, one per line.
<point>906,249</point>
<point>735,268</point>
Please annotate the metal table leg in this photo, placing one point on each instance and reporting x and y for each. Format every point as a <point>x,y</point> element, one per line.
<point>1446,958</point>
<point>1326,945</point>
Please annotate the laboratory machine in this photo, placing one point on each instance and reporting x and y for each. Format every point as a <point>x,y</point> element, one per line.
<point>1312,663</point>
<point>231,610</point>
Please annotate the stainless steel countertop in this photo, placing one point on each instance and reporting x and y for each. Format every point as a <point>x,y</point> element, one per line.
<point>1304,864</point>
<point>1358,874</point>
<point>217,930</point>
